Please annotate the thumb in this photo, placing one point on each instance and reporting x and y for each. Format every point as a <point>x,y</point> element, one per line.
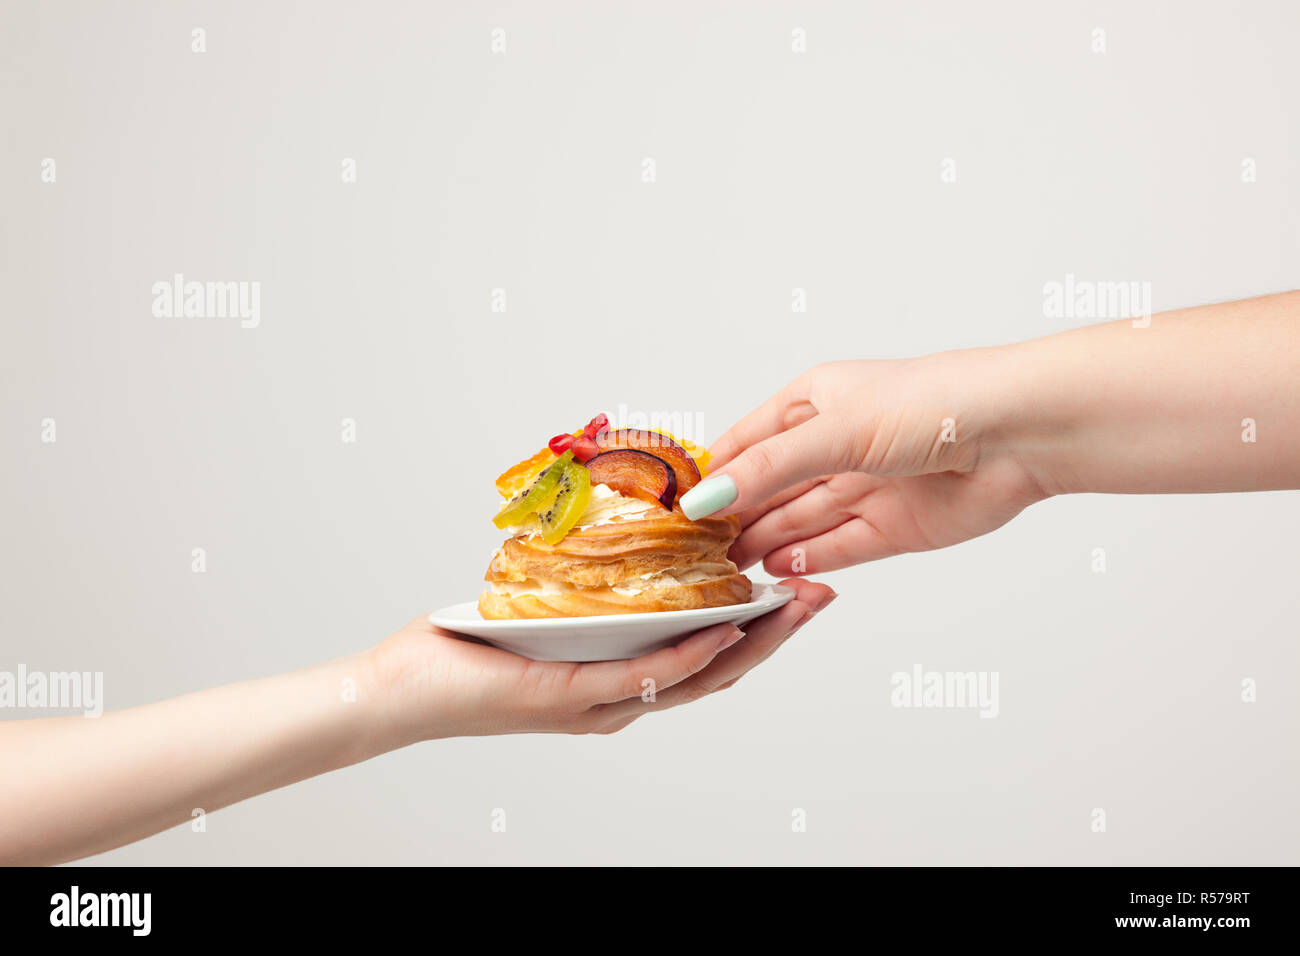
<point>823,445</point>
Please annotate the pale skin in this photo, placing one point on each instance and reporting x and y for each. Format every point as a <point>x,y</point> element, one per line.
<point>852,461</point>
<point>76,786</point>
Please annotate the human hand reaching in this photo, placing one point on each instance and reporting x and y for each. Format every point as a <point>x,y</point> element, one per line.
<point>855,461</point>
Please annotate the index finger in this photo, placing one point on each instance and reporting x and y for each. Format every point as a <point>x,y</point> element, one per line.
<point>606,682</point>
<point>763,636</point>
<point>751,515</point>
<point>784,410</point>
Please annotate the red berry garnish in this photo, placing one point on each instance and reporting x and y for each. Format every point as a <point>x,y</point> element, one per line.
<point>561,443</point>
<point>585,448</point>
<point>597,425</point>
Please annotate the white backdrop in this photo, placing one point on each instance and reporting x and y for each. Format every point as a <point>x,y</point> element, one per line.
<point>524,170</point>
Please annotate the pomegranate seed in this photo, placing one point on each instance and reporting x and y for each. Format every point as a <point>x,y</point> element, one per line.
<point>560,443</point>
<point>597,425</point>
<point>585,448</point>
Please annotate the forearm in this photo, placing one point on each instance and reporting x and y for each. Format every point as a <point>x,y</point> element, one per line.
<point>76,786</point>
<point>1115,408</point>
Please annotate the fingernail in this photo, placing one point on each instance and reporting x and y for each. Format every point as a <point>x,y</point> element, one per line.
<point>710,495</point>
<point>735,635</point>
<point>825,602</point>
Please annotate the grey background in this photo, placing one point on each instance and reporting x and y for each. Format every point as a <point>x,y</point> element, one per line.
<point>522,171</point>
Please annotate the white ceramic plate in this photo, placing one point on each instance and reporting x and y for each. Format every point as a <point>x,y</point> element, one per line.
<point>606,637</point>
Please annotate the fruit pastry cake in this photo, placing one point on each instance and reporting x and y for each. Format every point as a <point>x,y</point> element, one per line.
<point>595,528</point>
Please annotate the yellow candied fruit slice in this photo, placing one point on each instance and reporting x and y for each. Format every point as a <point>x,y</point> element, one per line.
<point>517,477</point>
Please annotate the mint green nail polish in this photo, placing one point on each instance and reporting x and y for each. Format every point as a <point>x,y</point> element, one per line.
<point>710,495</point>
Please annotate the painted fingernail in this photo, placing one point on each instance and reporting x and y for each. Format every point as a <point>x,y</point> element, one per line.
<point>710,495</point>
<point>825,602</point>
<point>735,635</point>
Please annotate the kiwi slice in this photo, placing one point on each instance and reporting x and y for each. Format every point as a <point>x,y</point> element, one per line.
<point>559,516</point>
<point>536,496</point>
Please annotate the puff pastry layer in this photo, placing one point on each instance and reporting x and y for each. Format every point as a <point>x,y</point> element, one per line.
<point>661,562</point>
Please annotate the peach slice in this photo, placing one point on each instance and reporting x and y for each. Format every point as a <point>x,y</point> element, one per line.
<point>660,446</point>
<point>635,474</point>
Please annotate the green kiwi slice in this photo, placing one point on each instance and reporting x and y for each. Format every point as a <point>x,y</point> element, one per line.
<point>559,516</point>
<point>536,496</point>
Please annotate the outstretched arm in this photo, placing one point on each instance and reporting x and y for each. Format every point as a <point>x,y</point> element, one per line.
<point>1202,400</point>
<point>75,786</point>
<point>855,461</point>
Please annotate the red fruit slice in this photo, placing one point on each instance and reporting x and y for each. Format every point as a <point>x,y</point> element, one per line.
<point>561,443</point>
<point>660,446</point>
<point>635,474</point>
<point>585,449</point>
